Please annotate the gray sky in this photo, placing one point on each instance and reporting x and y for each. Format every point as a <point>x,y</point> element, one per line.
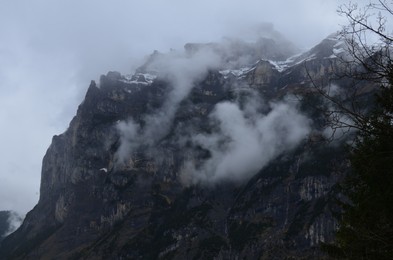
<point>50,50</point>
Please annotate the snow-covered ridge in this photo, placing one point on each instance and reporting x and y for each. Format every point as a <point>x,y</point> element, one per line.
<point>338,48</point>
<point>139,78</point>
<point>333,45</point>
<point>238,73</point>
<point>280,66</point>
<point>235,72</point>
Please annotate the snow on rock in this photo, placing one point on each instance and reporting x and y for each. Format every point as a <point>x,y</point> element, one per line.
<point>237,73</point>
<point>280,66</point>
<point>139,78</point>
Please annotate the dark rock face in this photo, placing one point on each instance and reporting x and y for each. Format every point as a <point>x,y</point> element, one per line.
<point>92,207</point>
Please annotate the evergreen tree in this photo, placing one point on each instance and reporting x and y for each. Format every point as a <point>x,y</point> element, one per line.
<point>366,223</point>
<point>366,227</point>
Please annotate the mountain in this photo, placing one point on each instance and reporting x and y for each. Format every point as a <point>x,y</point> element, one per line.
<point>214,152</point>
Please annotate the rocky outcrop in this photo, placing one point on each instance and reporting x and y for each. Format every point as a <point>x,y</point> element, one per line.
<point>94,205</point>
<point>263,75</point>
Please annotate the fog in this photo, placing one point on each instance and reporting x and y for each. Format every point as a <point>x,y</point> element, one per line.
<point>50,50</point>
<point>246,140</point>
<point>182,70</point>
<point>247,133</point>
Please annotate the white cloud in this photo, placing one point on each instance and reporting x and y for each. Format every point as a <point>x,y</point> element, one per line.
<point>246,140</point>
<point>183,71</point>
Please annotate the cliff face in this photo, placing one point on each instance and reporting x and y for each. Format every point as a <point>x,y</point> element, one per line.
<point>101,199</point>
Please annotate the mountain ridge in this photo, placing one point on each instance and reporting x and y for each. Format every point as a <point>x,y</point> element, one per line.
<point>145,162</point>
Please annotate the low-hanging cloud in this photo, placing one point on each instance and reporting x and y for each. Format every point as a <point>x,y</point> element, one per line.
<point>247,132</point>
<point>182,70</point>
<point>14,221</point>
<point>339,123</point>
<point>246,140</point>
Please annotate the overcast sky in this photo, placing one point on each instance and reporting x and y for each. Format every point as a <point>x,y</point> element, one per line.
<point>50,50</point>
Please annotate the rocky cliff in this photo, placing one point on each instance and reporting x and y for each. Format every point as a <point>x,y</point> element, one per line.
<point>224,159</point>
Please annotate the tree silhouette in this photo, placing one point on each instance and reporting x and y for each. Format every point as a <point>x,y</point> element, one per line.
<point>366,225</point>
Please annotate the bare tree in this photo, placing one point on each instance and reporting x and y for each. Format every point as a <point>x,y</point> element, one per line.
<point>365,65</point>
<point>366,226</point>
<point>368,37</point>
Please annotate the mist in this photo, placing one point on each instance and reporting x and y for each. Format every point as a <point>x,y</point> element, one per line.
<point>14,221</point>
<point>50,51</point>
<point>182,70</point>
<point>247,133</point>
<point>246,140</point>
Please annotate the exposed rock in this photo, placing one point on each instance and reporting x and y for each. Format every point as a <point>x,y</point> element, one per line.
<point>93,206</point>
<point>263,75</point>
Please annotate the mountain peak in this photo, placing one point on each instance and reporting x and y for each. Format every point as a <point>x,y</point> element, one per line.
<point>203,153</point>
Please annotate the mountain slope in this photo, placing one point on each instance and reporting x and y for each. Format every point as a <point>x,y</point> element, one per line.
<point>192,156</point>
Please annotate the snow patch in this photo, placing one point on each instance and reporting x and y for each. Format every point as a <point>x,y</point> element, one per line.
<point>336,52</point>
<point>280,66</point>
<point>237,73</point>
<point>139,78</point>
